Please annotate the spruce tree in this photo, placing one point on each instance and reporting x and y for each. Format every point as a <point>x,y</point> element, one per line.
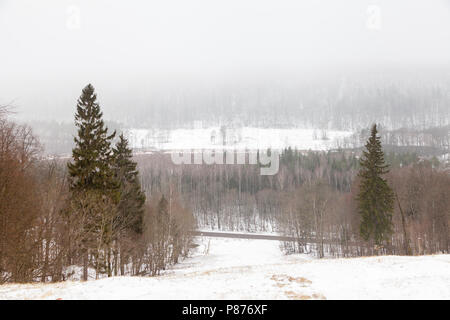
<point>92,183</point>
<point>375,198</point>
<point>92,154</point>
<point>132,199</point>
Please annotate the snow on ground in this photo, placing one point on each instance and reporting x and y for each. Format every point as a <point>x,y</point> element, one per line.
<point>253,233</point>
<point>250,138</point>
<point>224,268</point>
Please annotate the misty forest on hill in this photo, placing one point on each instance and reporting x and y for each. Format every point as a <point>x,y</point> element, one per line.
<point>136,138</point>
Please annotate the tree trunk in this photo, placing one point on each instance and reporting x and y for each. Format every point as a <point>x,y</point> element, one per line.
<point>85,265</point>
<point>405,232</point>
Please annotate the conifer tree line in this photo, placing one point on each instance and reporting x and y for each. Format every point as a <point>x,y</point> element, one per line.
<point>315,196</point>
<point>362,222</point>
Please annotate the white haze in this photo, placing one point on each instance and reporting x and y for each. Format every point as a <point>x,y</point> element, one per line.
<point>139,46</point>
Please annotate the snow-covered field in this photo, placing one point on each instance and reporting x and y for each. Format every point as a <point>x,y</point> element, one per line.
<point>256,269</point>
<point>250,138</point>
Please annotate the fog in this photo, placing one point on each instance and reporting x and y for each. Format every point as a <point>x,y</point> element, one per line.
<point>133,50</point>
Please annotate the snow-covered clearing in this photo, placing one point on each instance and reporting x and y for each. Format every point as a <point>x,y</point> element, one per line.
<point>224,268</point>
<point>250,138</point>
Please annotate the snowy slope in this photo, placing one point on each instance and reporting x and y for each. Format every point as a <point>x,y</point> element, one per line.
<point>250,138</point>
<point>256,269</point>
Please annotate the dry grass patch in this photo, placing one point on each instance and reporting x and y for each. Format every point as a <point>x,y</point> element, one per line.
<point>283,280</point>
<point>299,296</point>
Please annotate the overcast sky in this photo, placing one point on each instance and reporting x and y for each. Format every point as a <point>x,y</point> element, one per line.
<point>55,47</point>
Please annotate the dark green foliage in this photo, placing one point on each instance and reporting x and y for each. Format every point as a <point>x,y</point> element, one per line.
<point>94,190</point>
<point>395,159</point>
<point>90,169</point>
<point>132,199</point>
<point>375,198</point>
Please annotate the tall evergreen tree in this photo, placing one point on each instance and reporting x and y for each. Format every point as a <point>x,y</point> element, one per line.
<point>132,199</point>
<point>375,198</point>
<point>92,183</point>
<point>92,154</point>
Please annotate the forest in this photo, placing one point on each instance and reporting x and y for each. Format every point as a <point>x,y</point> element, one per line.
<point>107,212</point>
<point>60,218</point>
<point>410,111</point>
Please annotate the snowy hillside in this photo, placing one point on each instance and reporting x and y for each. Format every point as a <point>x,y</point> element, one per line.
<point>256,269</point>
<point>234,138</point>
